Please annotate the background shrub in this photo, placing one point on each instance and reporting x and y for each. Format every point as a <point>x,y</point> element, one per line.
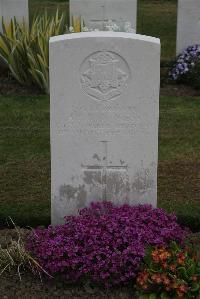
<point>25,51</point>
<point>104,242</point>
<point>186,69</point>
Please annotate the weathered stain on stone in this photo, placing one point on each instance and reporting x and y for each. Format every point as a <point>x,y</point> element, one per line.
<point>68,191</point>
<point>78,194</point>
<point>95,156</point>
<point>143,181</point>
<point>117,183</point>
<point>92,178</point>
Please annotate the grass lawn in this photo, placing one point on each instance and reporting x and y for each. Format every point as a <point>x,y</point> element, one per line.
<point>25,143</point>
<point>25,159</point>
<point>155,18</point>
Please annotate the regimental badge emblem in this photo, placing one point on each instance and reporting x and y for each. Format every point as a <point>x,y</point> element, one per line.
<point>104,75</point>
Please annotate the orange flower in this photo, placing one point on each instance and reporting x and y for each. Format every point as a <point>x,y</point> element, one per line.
<point>160,255</point>
<point>142,278</point>
<point>154,277</point>
<point>157,278</point>
<point>172,268</point>
<point>164,265</point>
<point>181,255</point>
<point>166,280</point>
<point>164,255</point>
<point>194,278</point>
<point>183,288</point>
<point>155,256</point>
<point>181,262</point>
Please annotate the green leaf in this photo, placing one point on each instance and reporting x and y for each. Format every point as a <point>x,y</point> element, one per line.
<point>144,296</point>
<point>191,270</point>
<point>164,295</point>
<point>183,273</point>
<point>195,287</point>
<point>26,51</point>
<point>153,296</point>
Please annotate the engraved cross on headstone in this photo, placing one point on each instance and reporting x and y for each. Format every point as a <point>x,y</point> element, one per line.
<point>105,168</point>
<point>102,20</point>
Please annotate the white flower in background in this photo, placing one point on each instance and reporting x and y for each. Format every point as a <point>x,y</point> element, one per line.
<point>130,30</point>
<point>124,27</point>
<point>116,27</point>
<point>85,29</point>
<point>109,26</point>
<point>71,29</point>
<point>127,25</point>
<point>110,23</point>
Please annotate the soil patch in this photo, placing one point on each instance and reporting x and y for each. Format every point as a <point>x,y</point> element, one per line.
<point>178,90</point>
<point>180,179</point>
<point>9,86</point>
<point>33,288</point>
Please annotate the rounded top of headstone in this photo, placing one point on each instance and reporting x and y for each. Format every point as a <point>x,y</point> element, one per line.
<point>105,34</point>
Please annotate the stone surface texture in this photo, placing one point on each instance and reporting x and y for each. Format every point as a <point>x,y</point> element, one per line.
<point>96,13</point>
<point>188,26</point>
<point>104,120</point>
<point>14,8</point>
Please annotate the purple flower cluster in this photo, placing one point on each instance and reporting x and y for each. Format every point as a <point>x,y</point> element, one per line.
<point>104,242</point>
<point>186,62</point>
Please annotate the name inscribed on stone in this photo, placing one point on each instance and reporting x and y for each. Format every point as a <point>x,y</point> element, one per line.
<point>109,120</point>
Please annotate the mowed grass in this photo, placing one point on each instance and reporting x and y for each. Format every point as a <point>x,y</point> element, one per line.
<point>155,18</point>
<point>25,159</point>
<point>179,158</point>
<point>25,140</point>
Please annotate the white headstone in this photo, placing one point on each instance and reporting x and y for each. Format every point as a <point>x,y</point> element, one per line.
<point>188,27</point>
<point>96,13</point>
<point>104,120</point>
<point>14,8</point>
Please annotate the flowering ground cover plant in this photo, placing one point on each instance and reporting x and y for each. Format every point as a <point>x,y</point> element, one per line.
<point>104,243</point>
<point>169,272</point>
<point>187,67</point>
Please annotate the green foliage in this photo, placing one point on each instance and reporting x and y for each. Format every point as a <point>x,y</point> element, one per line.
<point>169,273</point>
<point>186,68</point>
<point>154,18</point>
<point>26,51</point>
<point>77,24</point>
<point>25,159</point>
